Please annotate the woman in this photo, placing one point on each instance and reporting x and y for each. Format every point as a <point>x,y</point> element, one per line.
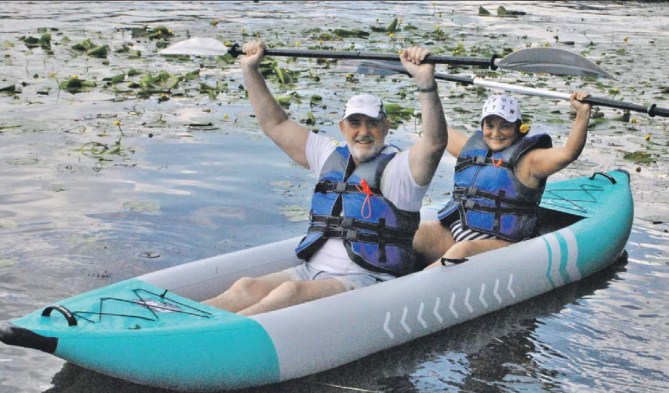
<point>500,175</point>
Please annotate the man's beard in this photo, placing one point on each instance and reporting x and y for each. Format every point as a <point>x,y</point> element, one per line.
<point>362,155</point>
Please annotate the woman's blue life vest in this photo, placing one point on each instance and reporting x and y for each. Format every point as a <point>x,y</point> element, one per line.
<point>348,204</point>
<point>487,195</point>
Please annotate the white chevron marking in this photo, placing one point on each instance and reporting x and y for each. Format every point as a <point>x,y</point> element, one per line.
<point>386,328</point>
<point>420,315</point>
<point>469,307</point>
<point>513,294</point>
<point>455,313</point>
<point>499,299</point>
<point>436,314</point>
<point>403,322</point>
<point>485,304</point>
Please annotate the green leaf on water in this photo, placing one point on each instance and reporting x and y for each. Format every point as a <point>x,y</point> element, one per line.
<point>311,119</point>
<point>100,51</point>
<point>639,157</point>
<point>4,262</point>
<point>84,45</point>
<point>295,213</point>
<point>75,85</point>
<point>315,100</point>
<point>115,78</point>
<point>7,223</point>
<point>392,27</point>
<point>141,206</point>
<point>501,11</point>
<point>284,101</point>
<point>352,33</point>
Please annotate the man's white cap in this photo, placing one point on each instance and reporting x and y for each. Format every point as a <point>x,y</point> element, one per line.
<point>503,106</point>
<point>365,104</point>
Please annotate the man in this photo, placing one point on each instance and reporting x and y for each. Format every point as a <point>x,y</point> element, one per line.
<point>365,208</point>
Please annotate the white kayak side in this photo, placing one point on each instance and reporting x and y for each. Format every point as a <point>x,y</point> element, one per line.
<point>323,334</point>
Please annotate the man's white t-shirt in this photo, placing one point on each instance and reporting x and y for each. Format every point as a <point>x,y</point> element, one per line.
<point>397,185</point>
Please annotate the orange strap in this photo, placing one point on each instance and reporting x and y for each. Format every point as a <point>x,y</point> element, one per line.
<point>367,204</point>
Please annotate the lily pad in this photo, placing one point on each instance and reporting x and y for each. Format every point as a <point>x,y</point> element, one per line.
<point>639,157</point>
<point>295,213</point>
<point>7,223</point>
<point>501,11</point>
<point>141,206</point>
<point>4,262</point>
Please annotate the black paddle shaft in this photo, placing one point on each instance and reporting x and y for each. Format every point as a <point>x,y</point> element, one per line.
<point>235,51</point>
<point>652,110</point>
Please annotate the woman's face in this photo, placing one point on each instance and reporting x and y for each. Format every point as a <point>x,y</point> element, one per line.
<point>498,133</point>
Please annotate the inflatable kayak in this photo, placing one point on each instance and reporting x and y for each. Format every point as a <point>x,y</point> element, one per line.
<point>152,329</point>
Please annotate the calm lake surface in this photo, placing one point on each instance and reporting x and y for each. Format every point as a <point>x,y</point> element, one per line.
<point>121,178</point>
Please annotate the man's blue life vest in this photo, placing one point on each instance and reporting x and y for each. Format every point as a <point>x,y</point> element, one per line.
<point>487,195</point>
<point>348,204</point>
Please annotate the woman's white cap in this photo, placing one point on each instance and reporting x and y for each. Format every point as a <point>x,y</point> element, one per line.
<point>366,104</point>
<point>503,106</point>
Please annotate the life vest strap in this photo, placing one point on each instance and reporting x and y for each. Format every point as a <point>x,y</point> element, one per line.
<point>341,188</point>
<point>466,162</point>
<point>349,228</point>
<point>473,205</point>
<point>471,192</point>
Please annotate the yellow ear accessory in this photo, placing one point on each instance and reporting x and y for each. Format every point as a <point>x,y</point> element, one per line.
<point>524,128</point>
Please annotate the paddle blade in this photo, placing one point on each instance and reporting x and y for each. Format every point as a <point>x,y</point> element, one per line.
<point>381,68</point>
<point>196,46</point>
<point>551,61</point>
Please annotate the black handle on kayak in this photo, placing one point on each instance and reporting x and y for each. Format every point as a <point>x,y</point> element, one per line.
<point>611,179</point>
<point>235,51</point>
<point>71,320</point>
<point>652,110</point>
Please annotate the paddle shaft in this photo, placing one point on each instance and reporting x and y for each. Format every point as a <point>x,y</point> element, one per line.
<point>235,51</point>
<point>652,110</point>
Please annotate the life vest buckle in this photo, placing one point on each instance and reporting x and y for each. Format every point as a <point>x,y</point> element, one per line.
<point>340,187</point>
<point>472,191</point>
<point>479,160</point>
<point>350,234</point>
<point>346,222</point>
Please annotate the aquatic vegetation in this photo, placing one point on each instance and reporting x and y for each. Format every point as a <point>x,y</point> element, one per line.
<point>502,11</point>
<point>483,11</point>
<point>350,33</point>
<point>43,42</point>
<point>128,72</point>
<point>154,33</point>
<point>74,84</point>
<point>160,82</point>
<point>392,27</point>
<point>639,157</point>
<point>89,48</point>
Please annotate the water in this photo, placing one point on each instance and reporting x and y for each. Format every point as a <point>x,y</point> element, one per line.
<point>193,176</point>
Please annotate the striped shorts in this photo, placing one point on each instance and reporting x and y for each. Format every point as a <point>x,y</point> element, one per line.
<point>460,234</point>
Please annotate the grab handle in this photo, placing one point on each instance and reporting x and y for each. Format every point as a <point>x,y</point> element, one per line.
<point>611,179</point>
<point>71,320</point>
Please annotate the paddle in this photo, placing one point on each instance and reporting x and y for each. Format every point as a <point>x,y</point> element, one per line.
<point>385,69</point>
<point>548,60</point>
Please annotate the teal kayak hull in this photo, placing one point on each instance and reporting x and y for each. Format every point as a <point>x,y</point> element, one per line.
<point>153,330</point>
